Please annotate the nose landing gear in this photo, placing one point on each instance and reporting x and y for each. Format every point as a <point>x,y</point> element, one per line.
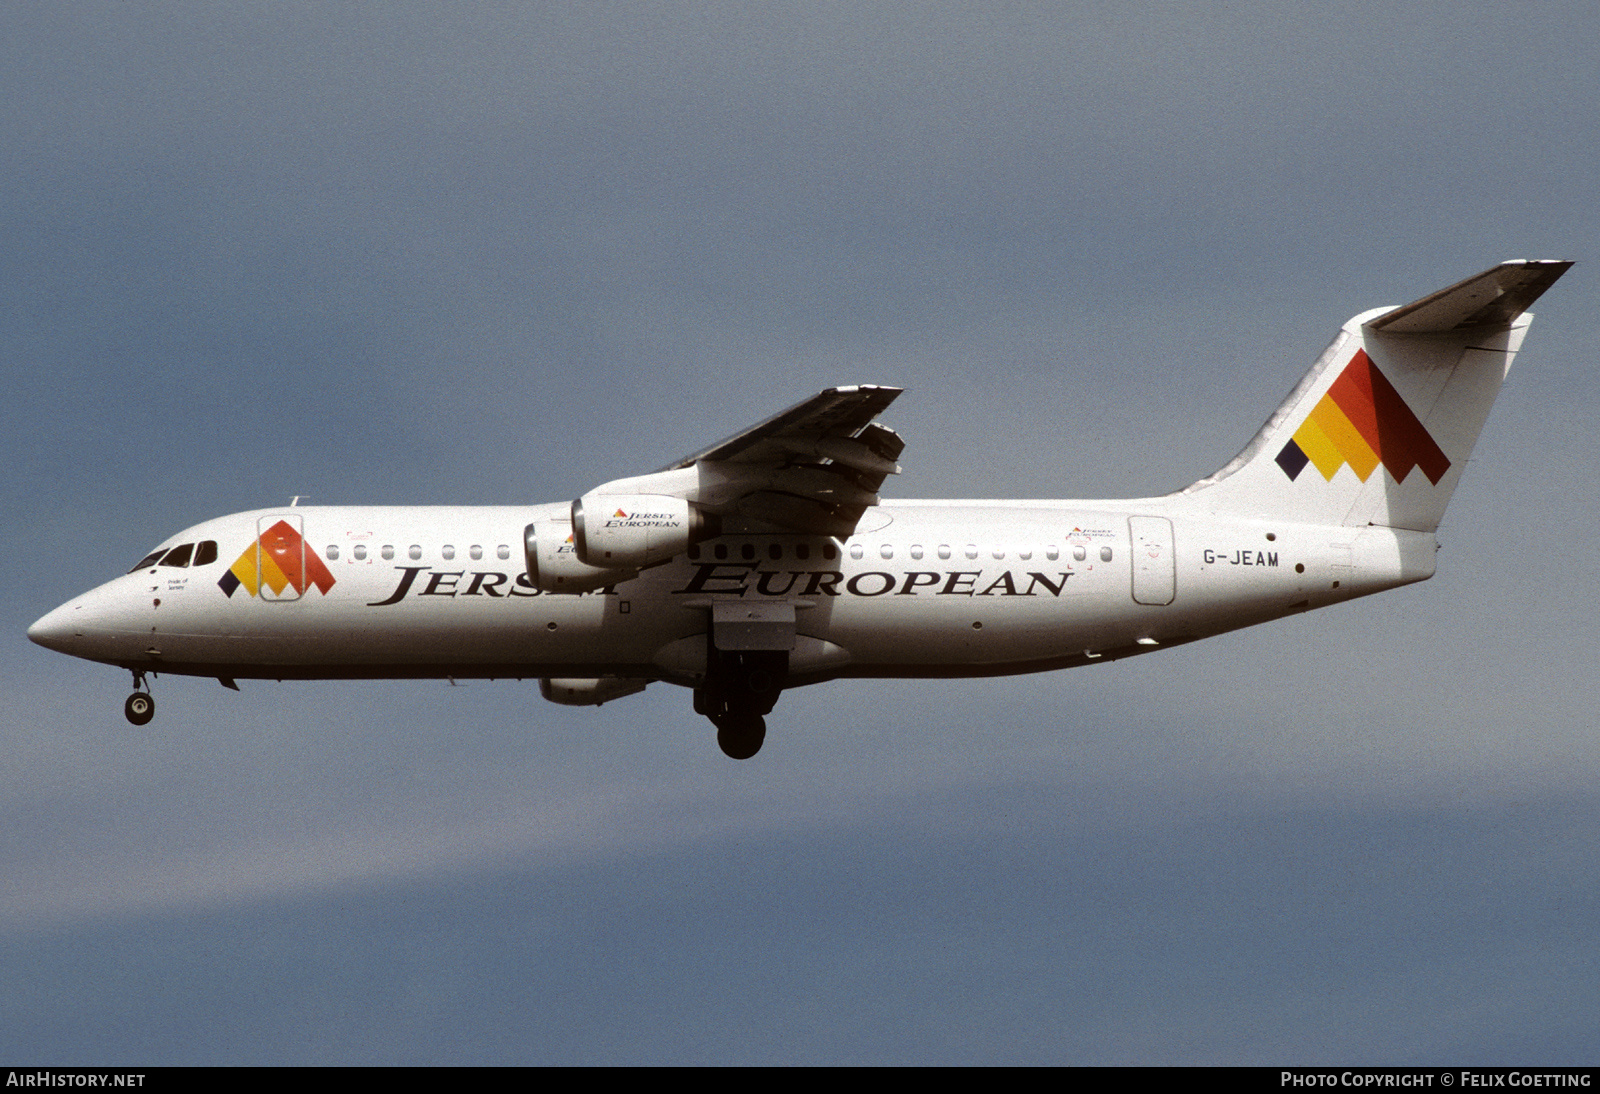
<point>141,705</point>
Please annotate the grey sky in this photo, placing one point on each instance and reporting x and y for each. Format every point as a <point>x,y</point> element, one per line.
<point>500,253</point>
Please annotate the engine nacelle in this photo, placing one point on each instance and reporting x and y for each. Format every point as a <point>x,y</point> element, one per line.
<point>589,692</point>
<point>553,564</point>
<point>635,530</point>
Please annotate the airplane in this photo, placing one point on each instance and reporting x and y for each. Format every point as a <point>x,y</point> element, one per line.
<point>768,561</point>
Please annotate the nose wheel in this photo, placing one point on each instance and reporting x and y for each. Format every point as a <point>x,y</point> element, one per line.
<point>141,705</point>
<point>140,708</point>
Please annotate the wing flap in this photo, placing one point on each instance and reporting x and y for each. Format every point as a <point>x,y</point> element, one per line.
<point>797,514</point>
<point>855,452</point>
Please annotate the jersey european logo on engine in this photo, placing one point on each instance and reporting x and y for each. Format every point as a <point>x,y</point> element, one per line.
<point>1364,422</point>
<point>278,559</point>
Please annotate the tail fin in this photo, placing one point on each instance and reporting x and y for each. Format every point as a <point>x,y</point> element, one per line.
<point>1380,429</point>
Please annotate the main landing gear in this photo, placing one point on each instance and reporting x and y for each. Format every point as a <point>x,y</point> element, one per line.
<point>740,735</point>
<point>141,705</point>
<point>741,687</point>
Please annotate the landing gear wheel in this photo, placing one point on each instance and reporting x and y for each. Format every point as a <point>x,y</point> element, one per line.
<point>740,735</point>
<point>140,708</point>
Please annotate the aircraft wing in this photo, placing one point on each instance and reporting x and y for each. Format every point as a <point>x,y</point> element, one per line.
<point>814,468</point>
<point>839,412</point>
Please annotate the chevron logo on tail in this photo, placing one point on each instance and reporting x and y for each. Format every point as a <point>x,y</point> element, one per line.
<point>1362,421</point>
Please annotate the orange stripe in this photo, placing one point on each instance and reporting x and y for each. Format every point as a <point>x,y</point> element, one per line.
<point>1346,438</point>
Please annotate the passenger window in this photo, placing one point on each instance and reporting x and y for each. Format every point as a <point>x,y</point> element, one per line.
<point>475,551</point>
<point>178,556</point>
<point>1105,554</point>
<point>999,552</point>
<point>774,551</point>
<point>856,550</point>
<point>360,551</point>
<point>748,551</point>
<point>887,550</point>
<point>944,550</point>
<point>694,551</point>
<point>802,550</point>
<point>388,551</point>
<point>1024,555</point>
<point>415,552</point>
<point>972,550</point>
<point>1079,553</point>
<point>1052,553</point>
<point>502,551</point>
<point>916,550</point>
<point>149,559</point>
<point>720,550</point>
<point>829,552</point>
<point>448,552</point>
<point>206,553</point>
<point>333,552</point>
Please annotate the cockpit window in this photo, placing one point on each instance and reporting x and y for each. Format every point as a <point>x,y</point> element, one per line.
<point>203,554</point>
<point>148,560</point>
<point>179,556</point>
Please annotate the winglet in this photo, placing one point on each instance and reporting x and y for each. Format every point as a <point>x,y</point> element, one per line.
<point>1493,298</point>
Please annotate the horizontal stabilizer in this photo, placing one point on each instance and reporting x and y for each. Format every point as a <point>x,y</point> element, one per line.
<point>1493,298</point>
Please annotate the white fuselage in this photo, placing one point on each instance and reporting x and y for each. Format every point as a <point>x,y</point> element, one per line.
<point>683,574</point>
<point>939,588</point>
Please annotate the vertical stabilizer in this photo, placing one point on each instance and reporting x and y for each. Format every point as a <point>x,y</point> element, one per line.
<point>1379,431</point>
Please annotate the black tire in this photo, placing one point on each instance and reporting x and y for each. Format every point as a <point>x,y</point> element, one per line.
<point>740,735</point>
<point>140,708</point>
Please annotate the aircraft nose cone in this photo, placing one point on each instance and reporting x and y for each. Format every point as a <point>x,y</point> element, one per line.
<point>54,631</point>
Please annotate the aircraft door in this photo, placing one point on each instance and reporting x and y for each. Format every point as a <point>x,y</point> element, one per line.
<point>281,557</point>
<point>1155,575</point>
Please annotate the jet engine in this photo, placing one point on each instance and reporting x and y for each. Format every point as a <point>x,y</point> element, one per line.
<point>636,530</point>
<point>589,692</point>
<point>553,564</point>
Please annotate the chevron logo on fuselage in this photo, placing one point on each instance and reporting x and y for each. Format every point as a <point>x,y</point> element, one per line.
<point>284,561</point>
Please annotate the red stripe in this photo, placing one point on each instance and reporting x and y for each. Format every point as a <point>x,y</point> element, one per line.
<point>1385,422</point>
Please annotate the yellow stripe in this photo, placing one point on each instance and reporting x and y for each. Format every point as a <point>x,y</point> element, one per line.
<point>245,569</point>
<point>275,578</point>
<point>1316,445</point>
<point>1343,434</point>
